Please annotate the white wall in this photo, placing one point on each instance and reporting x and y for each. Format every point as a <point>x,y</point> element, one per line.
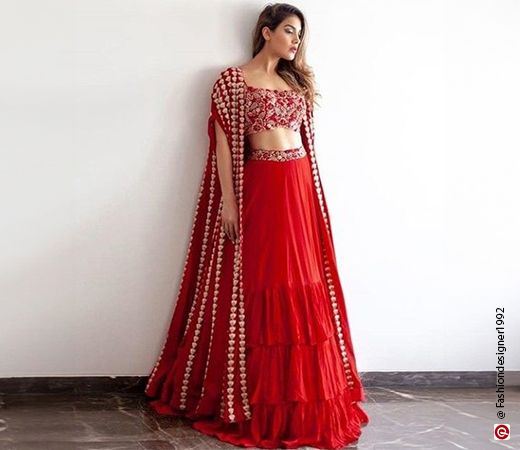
<point>103,113</point>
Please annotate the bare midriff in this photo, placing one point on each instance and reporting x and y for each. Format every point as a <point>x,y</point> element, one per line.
<point>276,139</point>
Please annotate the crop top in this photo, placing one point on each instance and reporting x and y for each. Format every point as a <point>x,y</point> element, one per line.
<point>266,109</point>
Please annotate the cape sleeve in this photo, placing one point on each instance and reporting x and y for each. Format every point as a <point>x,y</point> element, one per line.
<point>308,137</point>
<point>218,108</point>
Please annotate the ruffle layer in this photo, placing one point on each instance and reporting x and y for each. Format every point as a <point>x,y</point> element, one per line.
<point>298,391</point>
<point>295,372</point>
<point>288,314</point>
<point>332,424</point>
<point>299,394</point>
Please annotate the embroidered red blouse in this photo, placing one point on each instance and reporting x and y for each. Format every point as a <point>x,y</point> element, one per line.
<point>267,109</point>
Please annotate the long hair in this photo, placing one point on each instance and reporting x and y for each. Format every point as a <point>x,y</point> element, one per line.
<point>297,73</point>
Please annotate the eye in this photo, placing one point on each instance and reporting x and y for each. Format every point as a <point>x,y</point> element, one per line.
<point>289,30</point>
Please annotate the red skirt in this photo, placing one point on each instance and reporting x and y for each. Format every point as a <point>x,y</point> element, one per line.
<point>297,386</point>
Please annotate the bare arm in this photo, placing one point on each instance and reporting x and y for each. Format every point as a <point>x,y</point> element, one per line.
<point>225,173</point>
<point>224,165</point>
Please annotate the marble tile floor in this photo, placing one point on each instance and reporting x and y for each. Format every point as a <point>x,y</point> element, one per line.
<point>401,418</point>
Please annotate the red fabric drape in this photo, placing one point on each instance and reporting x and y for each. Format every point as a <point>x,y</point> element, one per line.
<point>259,351</point>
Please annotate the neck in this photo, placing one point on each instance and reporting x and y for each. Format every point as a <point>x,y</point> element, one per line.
<point>265,62</point>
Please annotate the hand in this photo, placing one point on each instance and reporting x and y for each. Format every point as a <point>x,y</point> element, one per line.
<point>230,219</point>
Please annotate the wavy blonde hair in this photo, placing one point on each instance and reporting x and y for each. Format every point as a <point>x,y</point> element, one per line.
<point>297,73</point>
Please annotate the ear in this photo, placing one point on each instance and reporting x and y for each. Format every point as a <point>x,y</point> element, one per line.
<point>266,33</point>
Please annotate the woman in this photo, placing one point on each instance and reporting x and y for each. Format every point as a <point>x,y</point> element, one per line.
<point>259,352</point>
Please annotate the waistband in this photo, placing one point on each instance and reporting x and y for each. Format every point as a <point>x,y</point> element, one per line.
<point>277,155</point>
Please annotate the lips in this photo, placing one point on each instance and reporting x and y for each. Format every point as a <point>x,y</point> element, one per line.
<point>294,49</point>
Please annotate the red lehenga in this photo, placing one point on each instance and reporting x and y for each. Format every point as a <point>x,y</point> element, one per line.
<point>259,352</point>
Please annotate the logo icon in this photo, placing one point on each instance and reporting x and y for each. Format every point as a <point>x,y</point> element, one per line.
<point>502,432</point>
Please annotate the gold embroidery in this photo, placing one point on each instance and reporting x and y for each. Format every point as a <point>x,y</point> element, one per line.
<point>267,109</point>
<point>237,105</point>
<point>215,298</point>
<point>337,317</point>
<point>198,326</point>
<point>183,277</point>
<point>277,155</point>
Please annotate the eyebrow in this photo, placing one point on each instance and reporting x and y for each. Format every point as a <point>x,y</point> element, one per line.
<point>294,28</point>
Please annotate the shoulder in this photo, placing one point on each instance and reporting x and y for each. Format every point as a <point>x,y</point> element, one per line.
<point>227,71</point>
<point>224,77</point>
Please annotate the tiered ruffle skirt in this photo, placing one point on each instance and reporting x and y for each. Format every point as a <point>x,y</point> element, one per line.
<point>298,390</point>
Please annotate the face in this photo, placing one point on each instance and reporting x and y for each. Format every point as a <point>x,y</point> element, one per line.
<point>286,38</point>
